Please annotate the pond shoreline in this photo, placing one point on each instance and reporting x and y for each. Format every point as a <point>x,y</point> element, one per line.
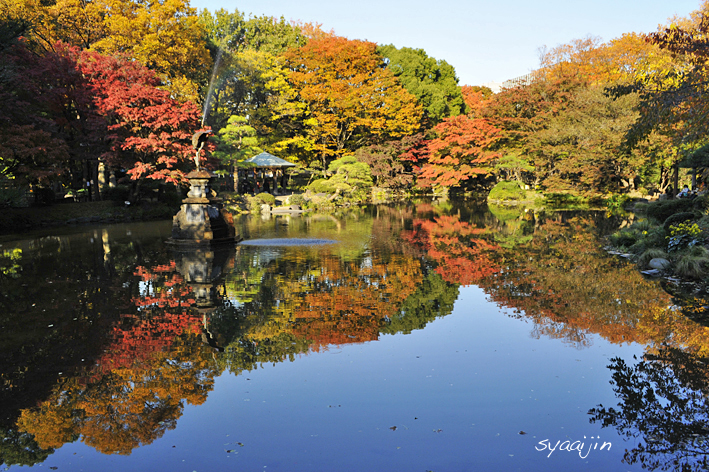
<point>22,220</point>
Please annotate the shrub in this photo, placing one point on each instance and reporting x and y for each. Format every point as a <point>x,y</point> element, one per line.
<point>641,225</point>
<point>296,199</point>
<point>677,218</point>
<point>701,203</point>
<point>663,209</point>
<point>507,191</point>
<point>265,197</point>
<point>321,186</point>
<point>683,235</point>
<point>253,204</point>
<point>170,198</point>
<point>693,263</point>
<point>119,193</point>
<point>12,197</point>
<point>624,238</point>
<point>704,223</point>
<point>640,207</point>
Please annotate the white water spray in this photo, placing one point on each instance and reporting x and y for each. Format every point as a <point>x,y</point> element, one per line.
<point>210,89</point>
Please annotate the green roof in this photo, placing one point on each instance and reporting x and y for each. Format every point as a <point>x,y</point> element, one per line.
<point>268,160</point>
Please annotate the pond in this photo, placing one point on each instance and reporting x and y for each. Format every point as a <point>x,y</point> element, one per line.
<point>428,337</point>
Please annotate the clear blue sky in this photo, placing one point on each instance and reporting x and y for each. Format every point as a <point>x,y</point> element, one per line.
<point>486,41</point>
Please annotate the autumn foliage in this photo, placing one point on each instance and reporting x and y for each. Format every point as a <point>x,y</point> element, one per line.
<point>68,107</point>
<point>149,132</point>
<point>462,252</point>
<point>344,104</point>
<point>460,151</point>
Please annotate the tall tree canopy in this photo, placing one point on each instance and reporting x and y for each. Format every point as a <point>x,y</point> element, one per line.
<point>340,105</point>
<point>433,82</point>
<point>245,53</point>
<point>163,35</point>
<point>68,107</point>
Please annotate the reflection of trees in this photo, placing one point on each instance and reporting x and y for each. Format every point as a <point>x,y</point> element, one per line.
<point>664,407</point>
<point>432,299</point>
<point>310,299</point>
<point>153,363</point>
<point>20,448</point>
<point>569,286</point>
<point>127,407</point>
<point>64,297</point>
<point>462,254</point>
<point>152,358</point>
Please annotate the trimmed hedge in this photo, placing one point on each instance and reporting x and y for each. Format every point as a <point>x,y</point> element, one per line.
<point>663,209</point>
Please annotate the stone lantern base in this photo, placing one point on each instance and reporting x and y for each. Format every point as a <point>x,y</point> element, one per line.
<point>201,220</point>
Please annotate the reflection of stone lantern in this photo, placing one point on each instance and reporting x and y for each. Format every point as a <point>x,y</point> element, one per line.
<point>201,220</point>
<point>202,269</point>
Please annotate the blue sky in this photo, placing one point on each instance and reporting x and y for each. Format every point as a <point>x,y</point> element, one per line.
<point>486,41</point>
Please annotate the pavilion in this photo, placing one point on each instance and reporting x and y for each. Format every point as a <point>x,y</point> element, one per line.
<point>271,169</point>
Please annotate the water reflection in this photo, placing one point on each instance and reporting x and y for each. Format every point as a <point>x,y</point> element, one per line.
<point>110,336</point>
<point>663,409</point>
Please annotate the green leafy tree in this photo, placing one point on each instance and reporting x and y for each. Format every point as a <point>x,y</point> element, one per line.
<point>348,176</point>
<point>433,82</point>
<point>578,151</point>
<point>236,142</point>
<point>244,52</point>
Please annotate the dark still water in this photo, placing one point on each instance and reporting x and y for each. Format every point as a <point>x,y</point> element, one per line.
<point>414,338</point>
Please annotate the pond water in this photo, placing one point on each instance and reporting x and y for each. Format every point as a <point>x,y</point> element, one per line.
<point>414,338</point>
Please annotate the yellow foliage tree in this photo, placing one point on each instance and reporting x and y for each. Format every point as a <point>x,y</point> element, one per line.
<point>164,35</point>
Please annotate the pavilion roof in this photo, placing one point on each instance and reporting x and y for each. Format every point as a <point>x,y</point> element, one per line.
<point>268,160</point>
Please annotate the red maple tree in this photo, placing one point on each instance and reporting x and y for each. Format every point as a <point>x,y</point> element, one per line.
<point>149,132</point>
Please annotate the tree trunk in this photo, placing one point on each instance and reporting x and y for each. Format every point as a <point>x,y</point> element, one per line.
<point>235,180</point>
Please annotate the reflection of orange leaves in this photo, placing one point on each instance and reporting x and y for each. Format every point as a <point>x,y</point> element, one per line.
<point>153,363</point>
<point>464,271</point>
<point>463,256</point>
<point>126,406</point>
<point>569,286</point>
<point>154,272</point>
<point>52,426</point>
<point>140,336</point>
<point>668,326</point>
<point>347,302</point>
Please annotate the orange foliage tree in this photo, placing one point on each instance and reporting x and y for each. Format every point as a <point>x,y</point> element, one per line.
<point>460,151</point>
<point>339,96</point>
